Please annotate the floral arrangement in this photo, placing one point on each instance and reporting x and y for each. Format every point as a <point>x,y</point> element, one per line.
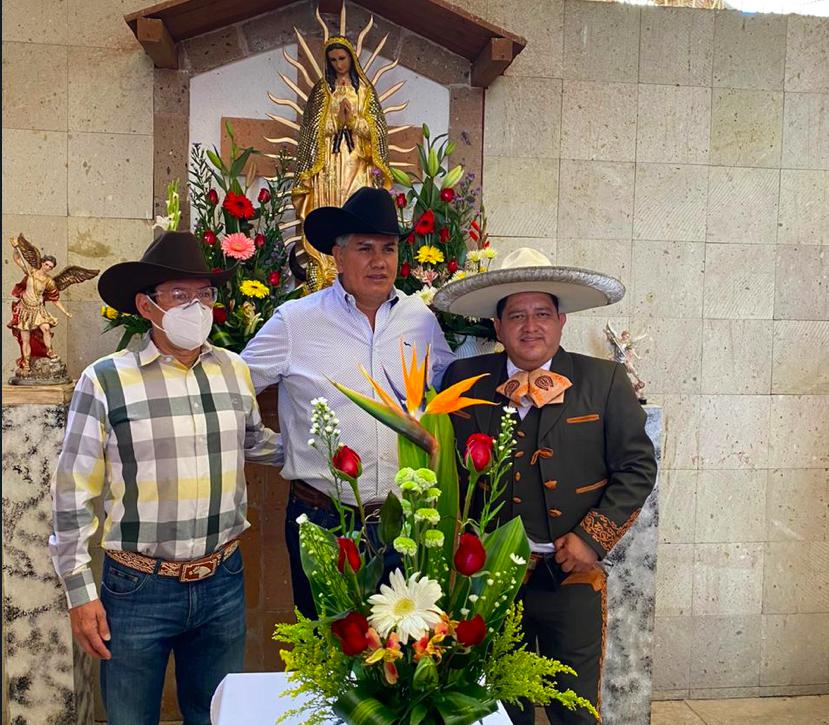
<point>440,642</point>
<point>235,231</point>
<point>449,239</point>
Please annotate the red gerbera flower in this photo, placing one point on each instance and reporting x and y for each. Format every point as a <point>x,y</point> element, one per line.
<point>238,205</point>
<point>426,223</point>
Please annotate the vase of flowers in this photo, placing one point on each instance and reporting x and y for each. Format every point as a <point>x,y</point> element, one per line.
<point>440,641</point>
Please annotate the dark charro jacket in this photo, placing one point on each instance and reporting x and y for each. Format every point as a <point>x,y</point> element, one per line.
<point>596,464</point>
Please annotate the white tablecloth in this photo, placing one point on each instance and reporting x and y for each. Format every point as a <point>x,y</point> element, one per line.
<point>254,698</point>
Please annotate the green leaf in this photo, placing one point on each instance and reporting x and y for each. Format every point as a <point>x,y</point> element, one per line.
<point>315,569</point>
<point>371,572</point>
<point>460,708</point>
<point>216,160</point>
<point>417,714</point>
<point>391,519</point>
<point>239,164</point>
<point>358,707</point>
<point>425,130</point>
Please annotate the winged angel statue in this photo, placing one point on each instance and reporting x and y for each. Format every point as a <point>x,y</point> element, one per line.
<point>31,323</point>
<point>342,141</point>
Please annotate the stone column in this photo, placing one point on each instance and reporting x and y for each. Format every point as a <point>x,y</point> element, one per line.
<point>47,681</point>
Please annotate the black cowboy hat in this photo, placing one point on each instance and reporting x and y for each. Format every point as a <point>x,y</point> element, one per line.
<point>366,211</point>
<point>173,255</point>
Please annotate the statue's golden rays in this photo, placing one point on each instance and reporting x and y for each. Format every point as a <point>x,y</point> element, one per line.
<point>363,33</point>
<point>375,53</point>
<point>324,26</point>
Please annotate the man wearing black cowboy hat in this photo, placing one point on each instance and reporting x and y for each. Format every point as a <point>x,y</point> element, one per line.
<point>161,434</point>
<point>360,320</point>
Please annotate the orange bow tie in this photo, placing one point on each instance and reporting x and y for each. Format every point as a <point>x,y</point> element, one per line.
<point>541,386</point>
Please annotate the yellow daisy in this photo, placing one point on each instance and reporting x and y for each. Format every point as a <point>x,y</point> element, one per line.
<point>253,288</point>
<point>429,255</point>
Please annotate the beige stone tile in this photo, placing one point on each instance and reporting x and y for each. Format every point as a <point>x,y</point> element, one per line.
<point>806,131</point>
<point>585,335</point>
<point>734,431</point>
<point>87,340</point>
<point>798,504</point>
<point>742,205</point>
<point>804,207</point>
<point>749,51</point>
<point>672,642</point>
<point>110,175</point>
<point>731,506</point>
<point>608,256</point>
<point>674,579</point>
<point>127,104</point>
<point>728,579</point>
<point>799,432</point>
<point>542,24</point>
<point>739,281</point>
<point>34,171</point>
<point>668,279</point>
<point>598,121</point>
<point>47,233</point>
<point>807,54</point>
<point>801,289</point>
<point>596,199</point>
<point>797,691</point>
<point>673,713</point>
<point>100,23</point>
<point>34,86</point>
<point>746,127</point>
<point>601,42</point>
<point>801,349</point>
<point>523,118</point>
<point>771,711</point>
<point>532,213</point>
<point>677,46</point>
<point>804,664</point>
<point>670,354</point>
<point>796,577</point>
<point>28,22</point>
<point>681,416</point>
<point>736,356</point>
<point>722,693</point>
<point>677,507</point>
<point>673,124</point>
<point>670,202</point>
<point>657,696</point>
<point>726,651</point>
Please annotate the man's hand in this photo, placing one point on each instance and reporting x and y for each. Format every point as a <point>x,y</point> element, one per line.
<point>90,628</point>
<point>573,554</point>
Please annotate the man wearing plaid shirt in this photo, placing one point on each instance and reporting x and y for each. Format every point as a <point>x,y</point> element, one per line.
<point>161,435</point>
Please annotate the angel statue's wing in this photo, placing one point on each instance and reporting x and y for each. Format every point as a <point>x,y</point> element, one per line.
<point>72,275</point>
<point>28,251</point>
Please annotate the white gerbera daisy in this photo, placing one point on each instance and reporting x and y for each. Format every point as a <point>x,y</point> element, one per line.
<point>410,606</point>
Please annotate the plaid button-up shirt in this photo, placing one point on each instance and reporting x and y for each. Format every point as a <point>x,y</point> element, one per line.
<point>165,445</point>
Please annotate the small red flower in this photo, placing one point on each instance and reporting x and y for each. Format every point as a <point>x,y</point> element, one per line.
<point>209,237</point>
<point>444,235</point>
<point>475,225</point>
<point>238,205</point>
<point>347,462</point>
<point>471,632</point>
<point>405,269</point>
<point>426,223</point>
<point>264,196</point>
<point>479,451</point>
<point>213,197</point>
<point>351,630</point>
<point>400,200</point>
<point>473,235</point>
<point>216,270</point>
<point>452,266</point>
<point>274,278</point>
<point>470,556</point>
<point>447,194</point>
<point>219,314</point>
<point>349,553</point>
<point>259,240</point>
<point>410,238</point>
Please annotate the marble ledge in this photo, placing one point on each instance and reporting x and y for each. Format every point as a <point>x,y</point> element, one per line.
<point>37,394</point>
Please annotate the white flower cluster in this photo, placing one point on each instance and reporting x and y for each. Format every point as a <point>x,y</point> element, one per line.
<point>324,424</point>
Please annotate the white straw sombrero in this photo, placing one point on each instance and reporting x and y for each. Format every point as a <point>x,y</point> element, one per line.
<point>528,270</point>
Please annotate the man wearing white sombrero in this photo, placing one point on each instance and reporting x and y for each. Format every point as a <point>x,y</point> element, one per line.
<point>583,464</point>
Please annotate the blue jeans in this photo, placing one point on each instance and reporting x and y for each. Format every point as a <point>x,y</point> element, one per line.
<point>202,623</point>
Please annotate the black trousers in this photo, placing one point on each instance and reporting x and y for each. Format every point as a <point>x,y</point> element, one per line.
<point>565,621</point>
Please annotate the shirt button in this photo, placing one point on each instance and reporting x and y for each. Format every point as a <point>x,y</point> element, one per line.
<point>551,485</point>
<point>521,434</point>
<point>519,454</point>
<point>554,513</point>
<point>515,499</point>
<point>517,475</point>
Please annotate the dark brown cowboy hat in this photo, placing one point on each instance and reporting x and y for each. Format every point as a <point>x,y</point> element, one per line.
<point>173,255</point>
<point>366,211</point>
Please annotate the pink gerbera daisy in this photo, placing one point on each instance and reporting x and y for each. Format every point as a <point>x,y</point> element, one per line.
<point>238,246</point>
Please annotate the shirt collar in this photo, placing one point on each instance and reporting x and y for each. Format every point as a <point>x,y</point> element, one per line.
<point>348,299</point>
<point>512,368</point>
<point>148,351</point>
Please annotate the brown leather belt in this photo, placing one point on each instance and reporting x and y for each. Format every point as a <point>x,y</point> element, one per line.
<point>314,497</point>
<point>185,571</point>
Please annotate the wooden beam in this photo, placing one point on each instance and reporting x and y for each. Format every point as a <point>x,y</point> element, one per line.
<point>492,61</point>
<point>157,42</point>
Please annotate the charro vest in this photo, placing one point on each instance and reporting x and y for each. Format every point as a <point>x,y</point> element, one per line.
<point>525,495</point>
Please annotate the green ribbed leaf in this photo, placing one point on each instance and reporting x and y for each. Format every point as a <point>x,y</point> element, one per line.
<point>358,707</point>
<point>464,708</point>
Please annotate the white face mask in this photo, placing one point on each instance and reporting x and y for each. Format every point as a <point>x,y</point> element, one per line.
<point>186,326</point>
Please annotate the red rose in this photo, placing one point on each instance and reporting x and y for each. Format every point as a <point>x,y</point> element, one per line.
<point>347,462</point>
<point>470,556</point>
<point>447,194</point>
<point>213,197</point>
<point>259,240</point>
<point>471,631</point>
<point>216,270</point>
<point>274,278</point>
<point>349,553</point>
<point>426,223</point>
<point>452,266</point>
<point>351,630</point>
<point>410,238</point>
<point>264,196</point>
<point>444,235</point>
<point>209,237</point>
<point>479,451</point>
<point>400,200</point>
<point>405,269</point>
<point>238,205</point>
<point>219,314</point>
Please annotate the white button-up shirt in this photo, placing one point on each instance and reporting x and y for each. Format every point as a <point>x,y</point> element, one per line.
<point>324,336</point>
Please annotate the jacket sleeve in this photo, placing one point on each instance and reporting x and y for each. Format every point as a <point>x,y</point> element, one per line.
<point>631,466</point>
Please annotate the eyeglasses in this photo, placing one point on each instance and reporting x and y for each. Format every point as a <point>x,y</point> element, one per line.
<point>178,296</point>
